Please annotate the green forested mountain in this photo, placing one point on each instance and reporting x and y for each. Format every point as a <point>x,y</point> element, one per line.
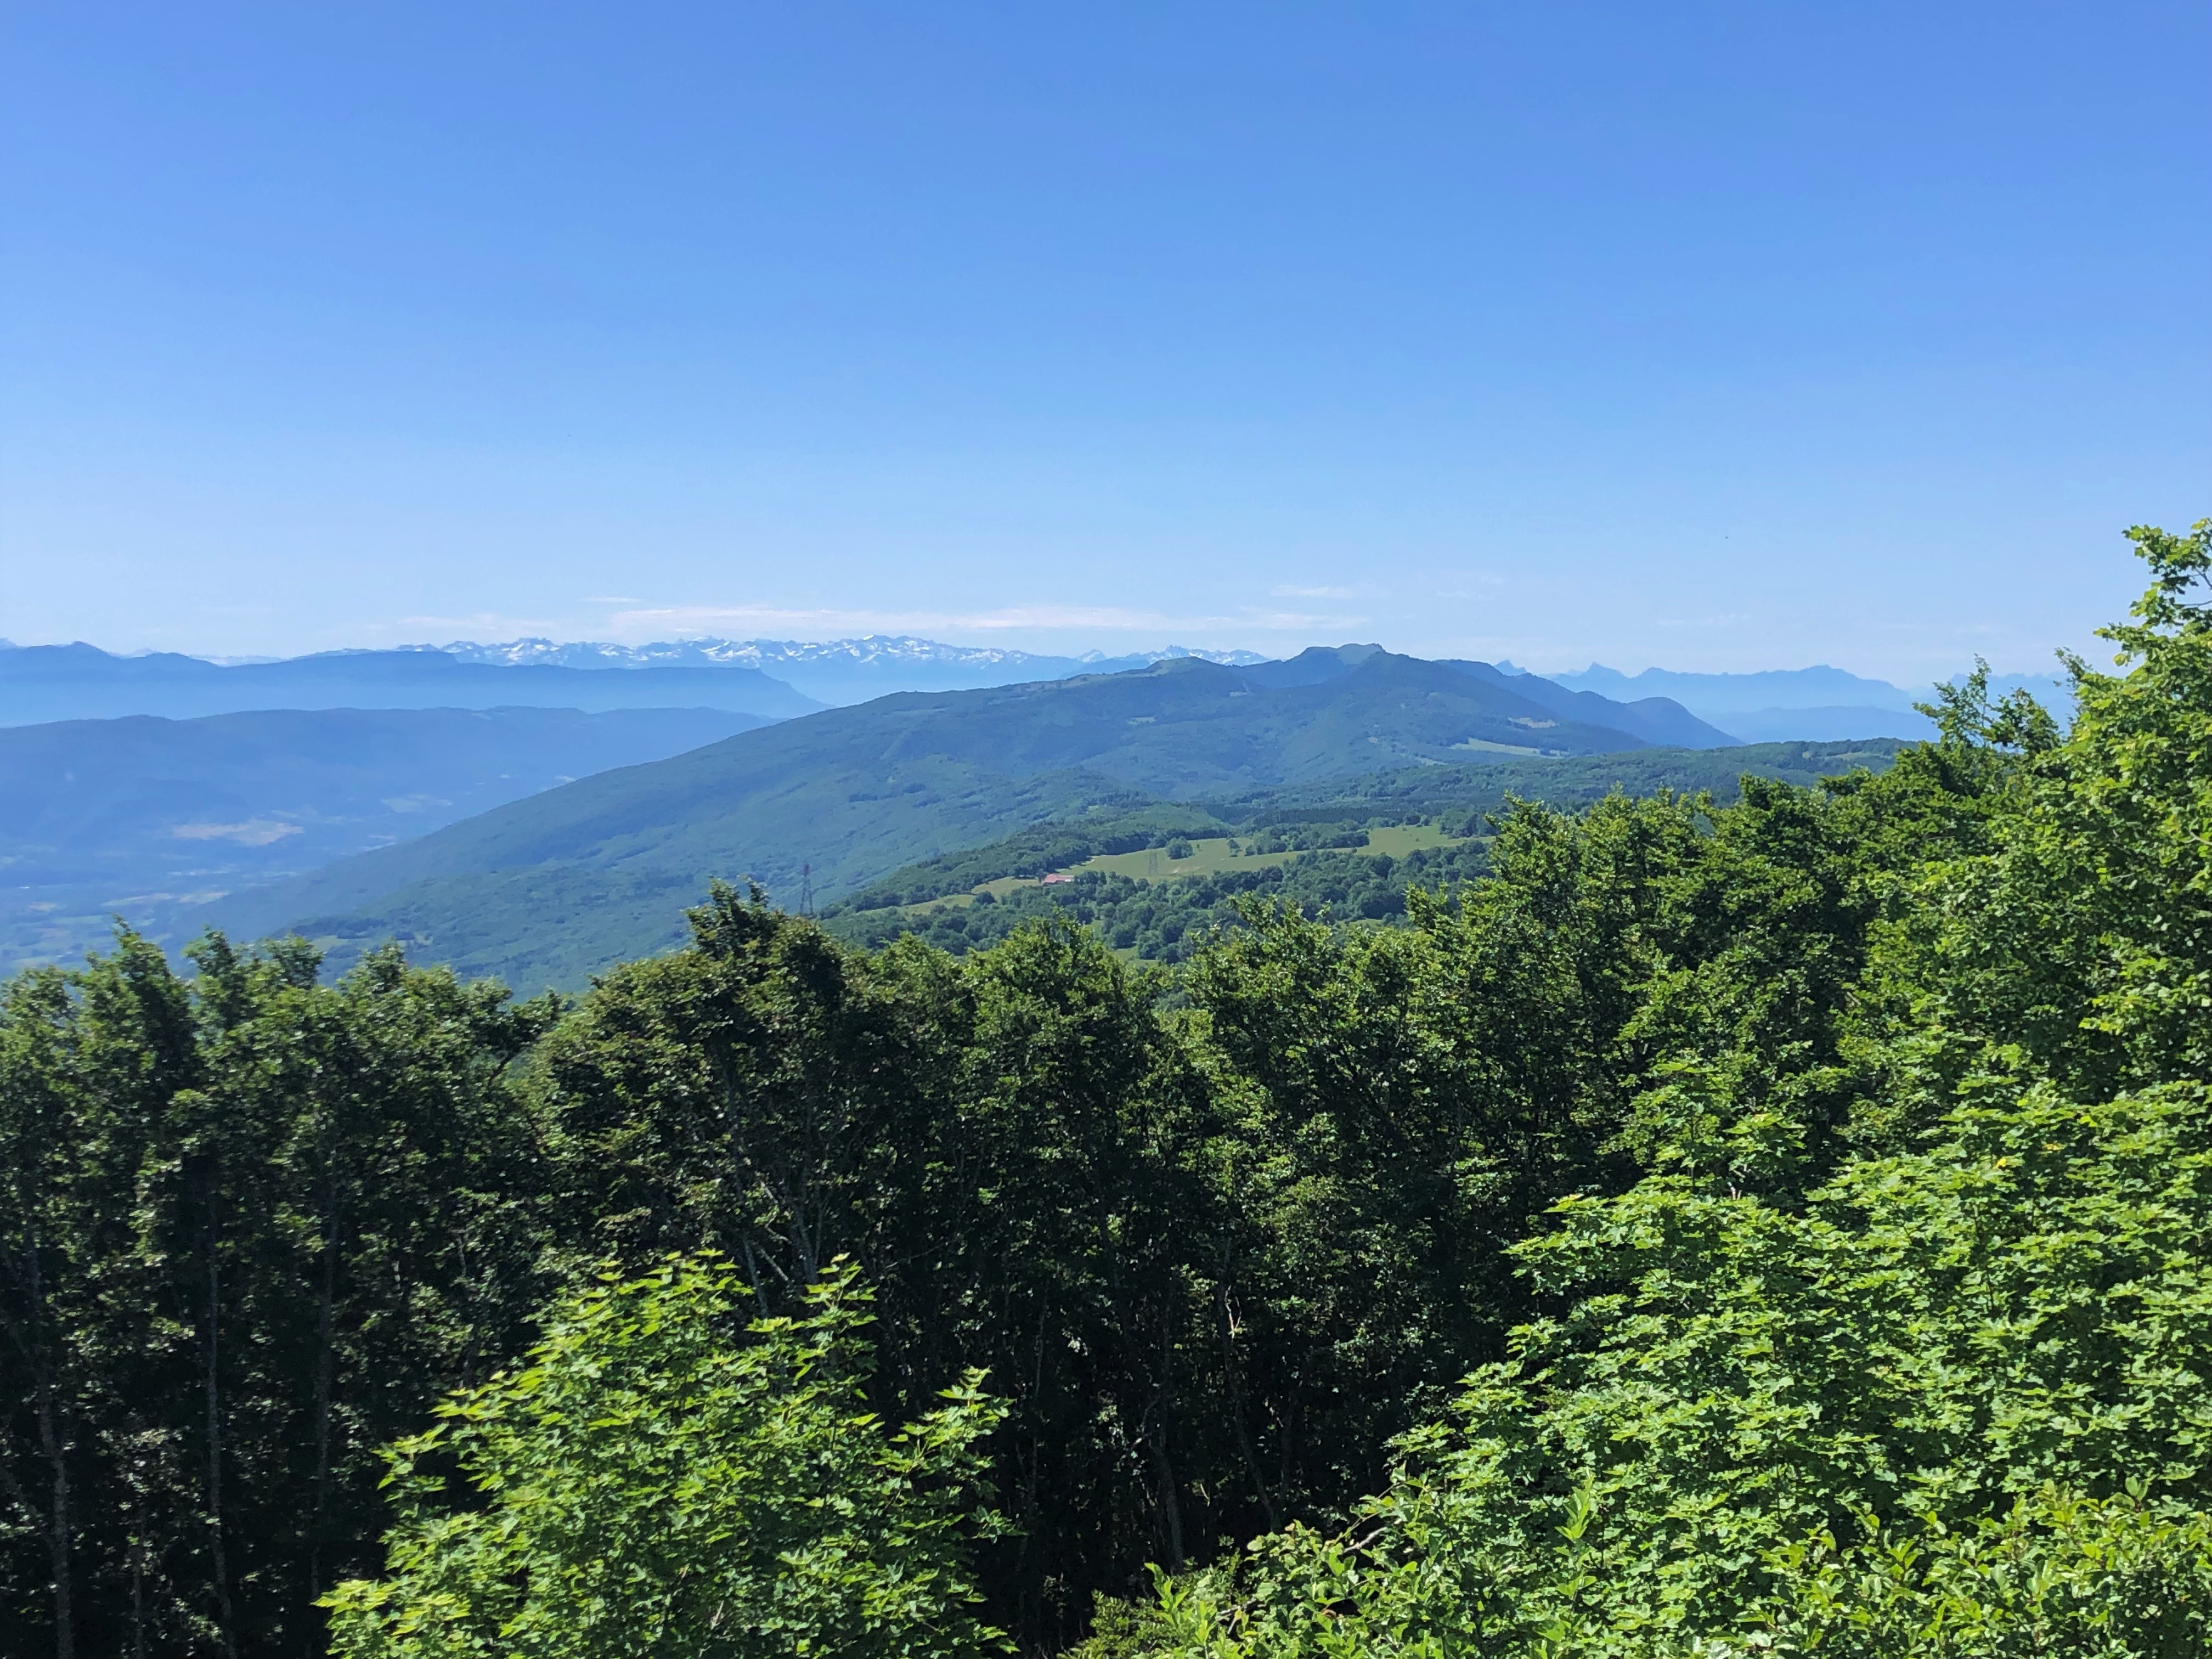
<point>157,818</point>
<point>1654,720</point>
<point>549,890</point>
<point>1781,1226</point>
<point>150,817</point>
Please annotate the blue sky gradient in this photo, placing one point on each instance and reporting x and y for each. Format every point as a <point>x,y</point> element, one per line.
<point>1718,336</point>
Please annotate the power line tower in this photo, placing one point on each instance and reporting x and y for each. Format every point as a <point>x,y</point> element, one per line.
<point>805,889</point>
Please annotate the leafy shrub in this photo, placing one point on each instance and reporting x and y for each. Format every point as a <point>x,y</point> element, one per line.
<point>650,1485</point>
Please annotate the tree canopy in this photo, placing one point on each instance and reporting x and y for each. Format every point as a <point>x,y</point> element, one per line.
<point>1775,1224</point>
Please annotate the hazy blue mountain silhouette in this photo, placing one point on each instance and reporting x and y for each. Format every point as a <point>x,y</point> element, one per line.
<point>39,684</point>
<point>140,815</point>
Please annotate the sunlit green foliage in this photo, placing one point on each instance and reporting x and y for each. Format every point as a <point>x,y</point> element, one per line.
<point>663,1477</point>
<point>1777,1224</point>
<point>1957,1399</point>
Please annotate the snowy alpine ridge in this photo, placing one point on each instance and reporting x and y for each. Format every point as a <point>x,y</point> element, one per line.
<point>830,671</point>
<point>887,649</point>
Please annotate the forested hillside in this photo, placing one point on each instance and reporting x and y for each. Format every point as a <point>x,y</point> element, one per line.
<point>553,890</point>
<point>234,820</point>
<point>1348,848</point>
<point>1772,1224</point>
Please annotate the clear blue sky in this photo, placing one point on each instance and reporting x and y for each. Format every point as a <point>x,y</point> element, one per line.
<point>1709,336</point>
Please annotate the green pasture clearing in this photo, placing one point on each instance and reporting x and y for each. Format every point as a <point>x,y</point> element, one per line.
<point>1499,748</point>
<point>1399,839</point>
<point>1210,855</point>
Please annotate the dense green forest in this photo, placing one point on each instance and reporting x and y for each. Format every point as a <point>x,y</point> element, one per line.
<point>1328,827</point>
<point>1168,920</point>
<point>1772,1224</point>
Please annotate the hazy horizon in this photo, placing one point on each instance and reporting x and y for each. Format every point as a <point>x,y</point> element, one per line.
<point>1723,337</point>
<point>1173,648</point>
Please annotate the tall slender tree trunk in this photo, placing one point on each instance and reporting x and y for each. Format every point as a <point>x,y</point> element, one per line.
<point>1169,1506</point>
<point>137,1598</point>
<point>1233,1380</point>
<point>1158,1420</point>
<point>136,1478</point>
<point>57,1523</point>
<point>65,1626</point>
<point>752,1273</point>
<point>29,1332</point>
<point>212,1387</point>
<point>325,1369</point>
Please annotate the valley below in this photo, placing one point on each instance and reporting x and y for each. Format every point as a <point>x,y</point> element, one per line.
<point>542,846</point>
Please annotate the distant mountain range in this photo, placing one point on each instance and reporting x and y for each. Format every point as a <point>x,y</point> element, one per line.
<point>540,810</point>
<point>1814,704</point>
<point>547,889</point>
<point>81,682</point>
<point>151,815</point>
<point>834,671</point>
<point>779,678</point>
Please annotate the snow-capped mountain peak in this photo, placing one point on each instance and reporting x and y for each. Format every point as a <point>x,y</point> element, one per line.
<point>881,650</point>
